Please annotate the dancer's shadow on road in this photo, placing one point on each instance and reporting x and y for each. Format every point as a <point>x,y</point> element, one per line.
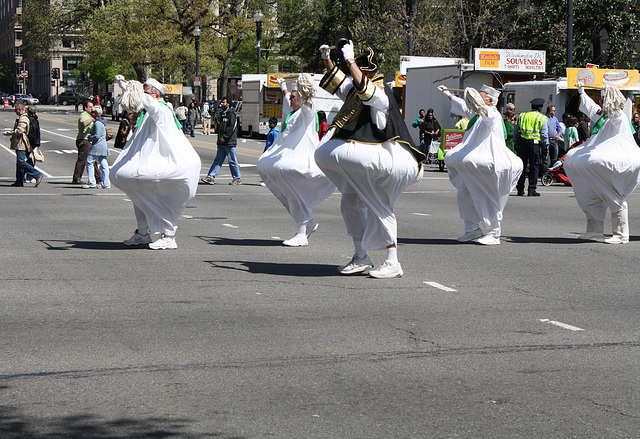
<point>278,268</point>
<point>252,242</point>
<point>64,244</point>
<point>504,239</point>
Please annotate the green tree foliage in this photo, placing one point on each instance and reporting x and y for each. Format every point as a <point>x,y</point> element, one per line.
<point>155,36</point>
<point>613,21</point>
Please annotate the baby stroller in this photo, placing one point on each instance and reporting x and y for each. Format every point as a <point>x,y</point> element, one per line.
<point>556,172</point>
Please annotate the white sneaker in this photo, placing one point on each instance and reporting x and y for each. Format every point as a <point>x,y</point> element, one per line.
<point>470,236</point>
<point>106,187</point>
<point>138,239</point>
<point>89,186</point>
<point>387,271</point>
<point>356,265</point>
<point>311,227</point>
<point>164,243</point>
<point>615,239</point>
<point>489,240</point>
<point>297,241</point>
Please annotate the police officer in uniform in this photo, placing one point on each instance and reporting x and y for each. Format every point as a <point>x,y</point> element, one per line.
<point>531,135</point>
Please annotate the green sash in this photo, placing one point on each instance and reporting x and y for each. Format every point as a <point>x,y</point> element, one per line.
<point>475,118</point>
<point>144,112</point>
<point>286,121</point>
<point>598,126</point>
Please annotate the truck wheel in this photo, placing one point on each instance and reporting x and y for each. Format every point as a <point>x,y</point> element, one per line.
<point>64,102</point>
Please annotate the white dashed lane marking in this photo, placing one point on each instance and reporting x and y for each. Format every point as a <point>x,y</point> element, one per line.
<point>561,325</point>
<point>440,287</point>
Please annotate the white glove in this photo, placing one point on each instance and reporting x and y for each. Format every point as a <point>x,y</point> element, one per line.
<point>119,77</point>
<point>282,83</point>
<point>325,51</point>
<point>347,51</point>
<point>580,88</point>
<point>445,90</point>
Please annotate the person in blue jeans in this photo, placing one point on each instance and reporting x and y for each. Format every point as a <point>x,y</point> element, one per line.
<point>227,141</point>
<point>99,151</point>
<point>20,144</point>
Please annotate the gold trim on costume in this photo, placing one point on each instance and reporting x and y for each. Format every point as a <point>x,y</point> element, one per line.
<point>332,80</point>
<point>365,92</point>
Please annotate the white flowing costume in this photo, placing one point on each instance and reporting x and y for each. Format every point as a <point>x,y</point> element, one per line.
<point>482,169</point>
<point>158,170</point>
<point>288,167</point>
<point>605,169</point>
<point>371,177</point>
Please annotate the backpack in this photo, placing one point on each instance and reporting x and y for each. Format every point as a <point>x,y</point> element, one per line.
<point>34,131</point>
<point>109,134</point>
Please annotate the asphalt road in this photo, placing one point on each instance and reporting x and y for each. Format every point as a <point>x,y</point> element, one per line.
<point>234,336</point>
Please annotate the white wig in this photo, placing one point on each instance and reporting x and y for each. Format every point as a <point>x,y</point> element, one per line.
<point>614,100</point>
<point>474,101</point>
<point>132,97</point>
<point>306,89</point>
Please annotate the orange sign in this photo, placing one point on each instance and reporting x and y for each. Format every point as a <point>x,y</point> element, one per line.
<point>173,89</point>
<point>272,79</point>
<point>599,78</point>
<point>489,60</point>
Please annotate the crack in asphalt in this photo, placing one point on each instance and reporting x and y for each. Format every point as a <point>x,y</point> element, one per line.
<point>317,359</point>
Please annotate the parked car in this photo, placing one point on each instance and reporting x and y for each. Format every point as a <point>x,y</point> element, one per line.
<point>72,98</point>
<point>28,100</point>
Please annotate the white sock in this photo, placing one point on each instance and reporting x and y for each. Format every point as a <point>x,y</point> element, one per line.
<point>302,230</point>
<point>360,252</point>
<point>392,256</point>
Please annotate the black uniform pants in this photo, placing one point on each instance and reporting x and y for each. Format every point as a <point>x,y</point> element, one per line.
<point>529,152</point>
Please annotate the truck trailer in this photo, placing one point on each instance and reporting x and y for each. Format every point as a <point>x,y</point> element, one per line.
<point>262,99</point>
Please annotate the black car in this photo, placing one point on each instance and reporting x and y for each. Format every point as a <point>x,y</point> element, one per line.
<point>72,98</point>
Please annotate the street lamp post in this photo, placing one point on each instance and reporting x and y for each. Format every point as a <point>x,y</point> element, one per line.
<point>258,17</point>
<point>196,33</point>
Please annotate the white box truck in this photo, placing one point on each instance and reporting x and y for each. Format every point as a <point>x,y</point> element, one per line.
<point>262,99</point>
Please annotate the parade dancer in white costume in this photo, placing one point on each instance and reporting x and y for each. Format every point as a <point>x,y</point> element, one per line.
<point>158,168</point>
<point>481,167</point>
<point>370,157</point>
<point>606,168</point>
<point>288,167</point>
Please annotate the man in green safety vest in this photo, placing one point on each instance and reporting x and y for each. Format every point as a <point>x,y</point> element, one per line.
<point>531,136</point>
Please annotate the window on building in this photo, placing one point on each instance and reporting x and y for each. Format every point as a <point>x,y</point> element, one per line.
<point>67,43</point>
<point>18,35</point>
<point>71,62</point>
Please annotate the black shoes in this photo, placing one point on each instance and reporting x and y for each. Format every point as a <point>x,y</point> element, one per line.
<point>534,194</point>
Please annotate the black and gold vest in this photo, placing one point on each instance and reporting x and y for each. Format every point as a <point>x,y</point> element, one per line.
<point>354,122</point>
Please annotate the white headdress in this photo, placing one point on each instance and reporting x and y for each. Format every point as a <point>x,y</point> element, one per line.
<point>475,102</point>
<point>156,84</point>
<point>613,101</point>
<point>131,99</point>
<point>306,89</point>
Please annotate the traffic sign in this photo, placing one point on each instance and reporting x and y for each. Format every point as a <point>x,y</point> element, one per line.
<point>24,73</point>
<point>197,81</point>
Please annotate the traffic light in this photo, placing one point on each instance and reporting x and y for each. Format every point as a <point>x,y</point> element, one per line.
<point>55,73</point>
<point>83,75</point>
